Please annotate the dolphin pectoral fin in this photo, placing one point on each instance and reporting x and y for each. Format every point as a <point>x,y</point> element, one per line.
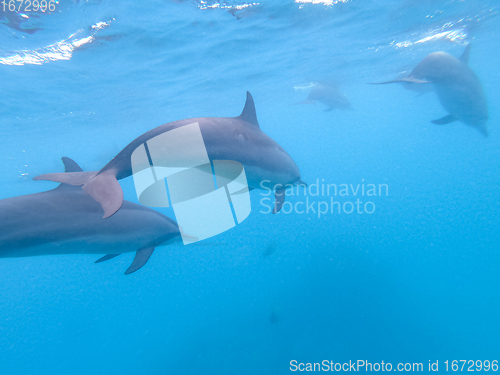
<point>444,120</point>
<point>106,190</point>
<point>106,257</point>
<point>279,199</point>
<point>141,258</point>
<point>70,178</point>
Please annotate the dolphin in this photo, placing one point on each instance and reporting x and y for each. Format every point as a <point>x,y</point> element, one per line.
<point>270,249</point>
<point>328,94</point>
<point>66,220</point>
<point>275,315</point>
<point>457,87</point>
<point>226,138</point>
<point>15,21</point>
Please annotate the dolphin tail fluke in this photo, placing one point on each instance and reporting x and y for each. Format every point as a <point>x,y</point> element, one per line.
<point>445,120</point>
<point>70,166</point>
<point>279,199</point>
<point>141,258</point>
<point>401,80</point>
<point>106,257</point>
<point>103,187</point>
<point>106,190</point>
<point>70,178</point>
<point>305,102</point>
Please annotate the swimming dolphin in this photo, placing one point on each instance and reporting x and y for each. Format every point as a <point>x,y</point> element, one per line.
<point>275,315</point>
<point>270,249</point>
<point>16,20</point>
<point>457,87</point>
<point>226,138</point>
<point>66,220</point>
<point>328,94</point>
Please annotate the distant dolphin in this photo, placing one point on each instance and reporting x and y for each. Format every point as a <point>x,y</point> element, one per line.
<point>457,87</point>
<point>275,315</point>
<point>66,220</point>
<point>328,94</point>
<point>15,21</point>
<point>226,138</point>
<point>270,249</point>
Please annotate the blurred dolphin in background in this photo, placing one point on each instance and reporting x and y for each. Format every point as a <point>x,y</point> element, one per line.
<point>329,94</point>
<point>456,85</point>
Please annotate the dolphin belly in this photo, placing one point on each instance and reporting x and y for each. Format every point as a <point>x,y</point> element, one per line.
<point>103,244</point>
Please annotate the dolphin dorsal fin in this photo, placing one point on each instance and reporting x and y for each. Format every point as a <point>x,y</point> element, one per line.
<point>465,55</point>
<point>70,165</point>
<point>248,114</point>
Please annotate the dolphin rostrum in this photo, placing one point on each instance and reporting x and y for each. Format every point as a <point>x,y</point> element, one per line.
<point>456,85</point>
<point>226,138</point>
<point>66,220</point>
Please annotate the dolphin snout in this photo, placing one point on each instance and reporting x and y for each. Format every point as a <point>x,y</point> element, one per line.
<point>299,182</point>
<point>483,130</point>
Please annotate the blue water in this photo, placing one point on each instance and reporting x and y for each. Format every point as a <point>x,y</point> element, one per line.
<point>414,281</point>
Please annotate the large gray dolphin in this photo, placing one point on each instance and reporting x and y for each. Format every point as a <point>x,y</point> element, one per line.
<point>226,138</point>
<point>457,87</point>
<point>66,220</point>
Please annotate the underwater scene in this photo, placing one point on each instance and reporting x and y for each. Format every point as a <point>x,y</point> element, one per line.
<point>275,187</point>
